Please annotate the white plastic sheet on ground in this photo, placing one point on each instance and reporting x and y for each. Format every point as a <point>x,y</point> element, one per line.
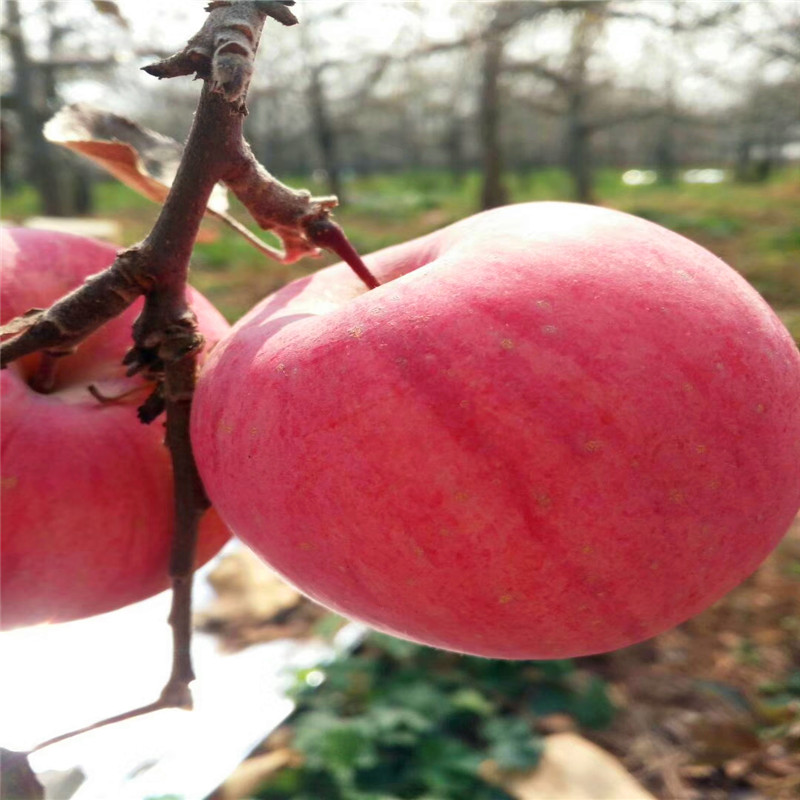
<point>61,677</point>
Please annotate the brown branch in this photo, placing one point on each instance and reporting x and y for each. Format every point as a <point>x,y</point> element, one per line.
<point>165,335</point>
<point>275,206</point>
<point>224,49</point>
<point>157,705</point>
<point>70,320</point>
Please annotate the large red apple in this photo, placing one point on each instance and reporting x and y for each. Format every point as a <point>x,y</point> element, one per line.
<point>555,430</point>
<point>86,488</point>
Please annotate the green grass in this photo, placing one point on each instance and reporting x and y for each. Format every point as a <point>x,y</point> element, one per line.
<point>754,227</point>
<point>398,720</point>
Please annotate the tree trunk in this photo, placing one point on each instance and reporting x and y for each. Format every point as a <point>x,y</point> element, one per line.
<point>493,190</point>
<point>578,150</point>
<point>453,144</point>
<point>324,133</point>
<point>666,161</point>
<point>579,132</point>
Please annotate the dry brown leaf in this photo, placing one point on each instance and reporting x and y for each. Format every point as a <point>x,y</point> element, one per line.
<point>247,591</point>
<point>111,9</point>
<point>571,768</point>
<point>253,773</point>
<point>142,159</point>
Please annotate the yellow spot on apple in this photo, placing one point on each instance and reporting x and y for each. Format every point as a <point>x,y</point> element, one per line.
<point>687,387</point>
<point>445,532</point>
<point>463,403</point>
<point>356,332</point>
<point>676,496</point>
<point>544,500</point>
<point>507,344</point>
<point>760,408</point>
<point>654,565</point>
<point>461,496</point>
<point>505,598</point>
<point>586,549</point>
<point>593,446</point>
<point>225,427</point>
<point>253,432</point>
<point>549,330</point>
<point>9,482</point>
<point>306,546</point>
<point>281,367</point>
<point>700,448</point>
<point>714,483</point>
<point>418,550</point>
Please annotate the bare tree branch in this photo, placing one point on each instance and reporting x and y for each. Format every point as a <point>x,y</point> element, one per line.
<point>166,340</point>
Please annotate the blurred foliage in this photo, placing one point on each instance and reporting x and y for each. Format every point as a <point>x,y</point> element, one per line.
<point>399,720</point>
<point>779,706</point>
<point>753,227</point>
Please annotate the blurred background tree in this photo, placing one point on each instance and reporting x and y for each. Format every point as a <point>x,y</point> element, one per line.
<point>48,45</point>
<point>486,87</point>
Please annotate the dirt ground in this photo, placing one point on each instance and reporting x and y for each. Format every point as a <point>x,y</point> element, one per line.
<point>712,709</point>
<point>707,711</point>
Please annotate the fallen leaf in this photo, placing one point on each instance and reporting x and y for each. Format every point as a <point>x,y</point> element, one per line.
<point>571,768</point>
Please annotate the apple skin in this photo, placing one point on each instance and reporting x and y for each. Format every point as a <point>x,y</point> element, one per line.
<point>555,430</point>
<point>87,508</point>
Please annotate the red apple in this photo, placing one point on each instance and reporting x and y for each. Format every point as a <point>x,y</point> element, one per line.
<point>86,488</point>
<point>555,430</point>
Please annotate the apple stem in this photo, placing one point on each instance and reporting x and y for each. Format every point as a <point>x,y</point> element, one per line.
<point>326,233</point>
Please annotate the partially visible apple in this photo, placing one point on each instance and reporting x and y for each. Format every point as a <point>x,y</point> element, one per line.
<point>555,430</point>
<point>87,504</point>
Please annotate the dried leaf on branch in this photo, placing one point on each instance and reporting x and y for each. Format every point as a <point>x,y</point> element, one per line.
<point>144,160</point>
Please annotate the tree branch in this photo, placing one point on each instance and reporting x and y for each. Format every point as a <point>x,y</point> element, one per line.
<point>165,335</point>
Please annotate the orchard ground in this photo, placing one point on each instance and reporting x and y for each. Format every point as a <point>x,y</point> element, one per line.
<point>711,709</point>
